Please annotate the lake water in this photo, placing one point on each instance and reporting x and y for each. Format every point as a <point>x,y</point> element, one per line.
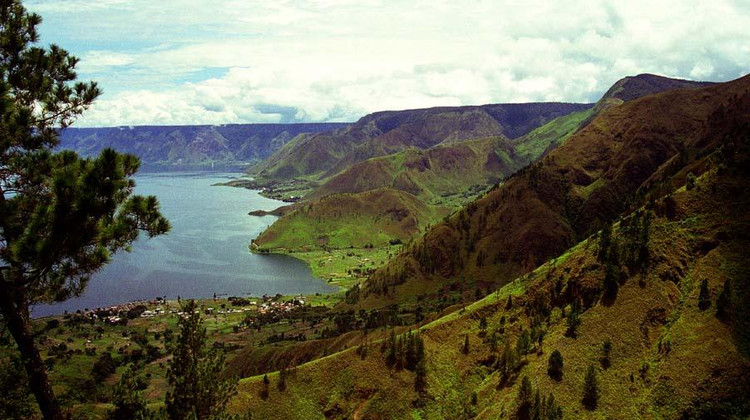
<point>206,251</point>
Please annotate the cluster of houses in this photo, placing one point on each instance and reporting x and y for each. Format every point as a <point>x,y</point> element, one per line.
<point>270,305</point>
<point>119,314</point>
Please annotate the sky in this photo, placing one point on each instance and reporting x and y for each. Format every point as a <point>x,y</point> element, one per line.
<point>283,61</point>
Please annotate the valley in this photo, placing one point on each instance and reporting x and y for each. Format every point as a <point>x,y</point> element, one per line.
<point>590,235</point>
<point>335,210</point>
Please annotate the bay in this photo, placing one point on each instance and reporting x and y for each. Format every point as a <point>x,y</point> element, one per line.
<point>206,251</point>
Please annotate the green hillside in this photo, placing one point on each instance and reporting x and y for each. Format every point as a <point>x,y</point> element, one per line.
<point>626,155</point>
<point>367,219</point>
<point>382,133</point>
<point>430,174</point>
<point>540,141</point>
<point>668,358</point>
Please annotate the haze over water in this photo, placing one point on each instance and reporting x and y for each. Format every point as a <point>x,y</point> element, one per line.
<point>206,251</point>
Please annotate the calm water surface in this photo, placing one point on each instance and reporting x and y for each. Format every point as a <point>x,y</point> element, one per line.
<point>206,251</point>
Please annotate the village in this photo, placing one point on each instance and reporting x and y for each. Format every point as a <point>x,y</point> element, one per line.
<point>267,307</point>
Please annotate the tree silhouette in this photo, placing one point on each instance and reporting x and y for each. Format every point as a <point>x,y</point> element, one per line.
<point>704,298</point>
<point>724,302</point>
<point>523,399</point>
<point>196,392</point>
<point>555,365</point>
<point>61,217</point>
<point>590,389</point>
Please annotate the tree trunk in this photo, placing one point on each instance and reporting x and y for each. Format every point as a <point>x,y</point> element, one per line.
<point>17,318</point>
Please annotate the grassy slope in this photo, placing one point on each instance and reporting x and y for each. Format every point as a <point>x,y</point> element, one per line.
<point>388,132</point>
<point>537,143</point>
<point>693,360</point>
<point>350,220</point>
<point>614,161</point>
<point>429,174</point>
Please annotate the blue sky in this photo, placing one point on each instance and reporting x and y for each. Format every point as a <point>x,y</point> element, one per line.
<point>241,61</point>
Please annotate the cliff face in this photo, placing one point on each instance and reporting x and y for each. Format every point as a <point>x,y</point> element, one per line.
<point>233,146</point>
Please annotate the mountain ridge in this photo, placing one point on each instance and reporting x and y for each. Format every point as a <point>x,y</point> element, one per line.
<point>572,191</point>
<point>190,147</point>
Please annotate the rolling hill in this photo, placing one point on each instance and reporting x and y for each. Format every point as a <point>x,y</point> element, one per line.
<point>325,154</point>
<point>426,152</point>
<point>370,218</point>
<point>430,173</point>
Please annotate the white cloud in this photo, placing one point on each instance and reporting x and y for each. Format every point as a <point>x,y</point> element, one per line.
<point>187,62</point>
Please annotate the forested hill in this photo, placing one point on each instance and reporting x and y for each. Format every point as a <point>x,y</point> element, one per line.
<point>191,147</point>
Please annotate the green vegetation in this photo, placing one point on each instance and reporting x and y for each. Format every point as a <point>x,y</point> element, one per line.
<point>363,220</point>
<point>542,140</point>
<point>590,389</point>
<point>62,216</point>
<point>488,382</point>
<point>128,399</point>
<point>555,365</point>
<point>195,390</point>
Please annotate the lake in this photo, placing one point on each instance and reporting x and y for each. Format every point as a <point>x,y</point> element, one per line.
<point>206,251</point>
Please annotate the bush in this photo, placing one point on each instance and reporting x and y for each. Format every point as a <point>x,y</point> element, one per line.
<point>103,367</point>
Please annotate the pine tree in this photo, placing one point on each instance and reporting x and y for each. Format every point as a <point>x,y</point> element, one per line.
<point>724,302</point>
<point>605,239</point>
<point>573,320</point>
<point>264,390</point>
<point>690,181</point>
<point>391,354</point>
<point>536,409</point>
<point>523,343</point>
<point>196,391</point>
<point>704,298</point>
<point>281,385</point>
<point>483,323</point>
<point>590,389</point>
<point>523,399</point>
<point>465,348</point>
<point>128,401</point>
<point>61,217</point>
<point>555,365</point>
<point>606,351</point>
<point>552,411</point>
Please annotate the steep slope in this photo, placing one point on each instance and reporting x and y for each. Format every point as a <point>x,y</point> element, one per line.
<point>429,174</point>
<point>183,147</point>
<point>424,186</point>
<point>630,88</point>
<point>546,138</point>
<point>388,132</point>
<point>624,156</point>
<point>670,356</point>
